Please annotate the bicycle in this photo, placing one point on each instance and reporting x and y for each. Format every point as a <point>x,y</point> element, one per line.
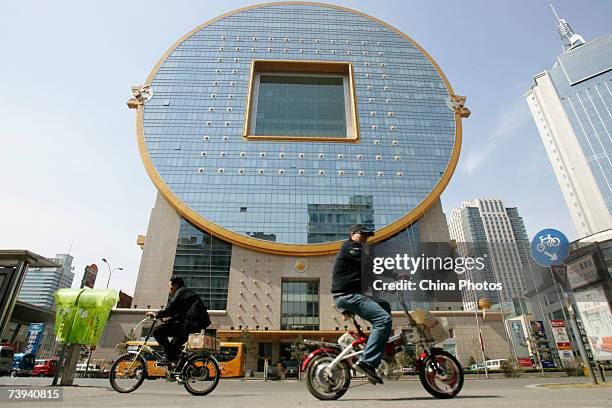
<point>549,241</point>
<point>328,368</point>
<point>193,369</point>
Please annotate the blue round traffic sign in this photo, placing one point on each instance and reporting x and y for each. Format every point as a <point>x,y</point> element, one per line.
<point>549,247</point>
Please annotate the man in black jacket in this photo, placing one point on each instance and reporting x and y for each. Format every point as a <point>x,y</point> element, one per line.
<point>184,314</point>
<point>346,290</point>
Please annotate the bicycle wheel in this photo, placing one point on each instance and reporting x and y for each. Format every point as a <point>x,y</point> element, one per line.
<point>441,375</point>
<point>128,372</point>
<point>201,375</point>
<point>322,386</point>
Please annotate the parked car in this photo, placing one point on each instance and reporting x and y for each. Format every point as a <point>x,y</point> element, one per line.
<point>407,370</point>
<point>7,351</point>
<point>275,371</point>
<point>93,371</point>
<point>292,368</point>
<point>496,365</point>
<point>22,365</point>
<point>44,367</point>
<point>477,367</point>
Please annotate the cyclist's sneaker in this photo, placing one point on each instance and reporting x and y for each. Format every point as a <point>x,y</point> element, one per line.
<point>368,371</point>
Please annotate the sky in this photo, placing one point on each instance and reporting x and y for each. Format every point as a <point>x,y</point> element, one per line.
<point>72,178</point>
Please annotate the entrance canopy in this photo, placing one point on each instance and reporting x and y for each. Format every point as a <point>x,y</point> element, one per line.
<point>13,266</point>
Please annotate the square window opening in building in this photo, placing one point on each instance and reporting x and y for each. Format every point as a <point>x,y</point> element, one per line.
<point>301,100</point>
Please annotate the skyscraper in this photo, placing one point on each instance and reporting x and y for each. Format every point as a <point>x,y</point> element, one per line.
<point>485,228</point>
<point>40,284</point>
<point>571,104</point>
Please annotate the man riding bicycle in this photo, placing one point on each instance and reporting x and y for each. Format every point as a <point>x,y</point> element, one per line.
<point>346,291</point>
<point>184,314</point>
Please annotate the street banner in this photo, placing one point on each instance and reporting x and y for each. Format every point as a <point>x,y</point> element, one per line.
<point>596,318</point>
<point>89,277</point>
<point>560,335</point>
<point>35,333</point>
<point>519,342</point>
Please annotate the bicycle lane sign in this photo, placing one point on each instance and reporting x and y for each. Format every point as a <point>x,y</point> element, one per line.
<point>549,247</point>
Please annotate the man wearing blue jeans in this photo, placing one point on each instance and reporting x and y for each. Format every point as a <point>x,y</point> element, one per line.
<point>346,290</point>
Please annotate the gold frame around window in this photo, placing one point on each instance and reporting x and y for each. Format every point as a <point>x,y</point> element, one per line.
<point>315,67</point>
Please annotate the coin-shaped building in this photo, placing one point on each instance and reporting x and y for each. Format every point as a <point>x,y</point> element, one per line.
<point>268,132</point>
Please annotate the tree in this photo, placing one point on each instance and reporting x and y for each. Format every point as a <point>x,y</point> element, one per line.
<point>538,344</point>
<point>471,361</point>
<point>121,347</point>
<point>248,343</point>
<point>475,347</point>
<point>298,352</point>
<point>400,360</point>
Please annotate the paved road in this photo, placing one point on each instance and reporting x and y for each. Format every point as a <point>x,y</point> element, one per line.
<point>250,394</point>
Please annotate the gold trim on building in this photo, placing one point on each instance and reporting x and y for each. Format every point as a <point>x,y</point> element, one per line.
<point>295,249</point>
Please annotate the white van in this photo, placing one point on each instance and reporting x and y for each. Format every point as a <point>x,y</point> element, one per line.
<point>493,365</point>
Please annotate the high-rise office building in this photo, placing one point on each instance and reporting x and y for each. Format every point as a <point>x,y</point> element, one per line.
<point>485,228</point>
<point>571,104</point>
<point>40,284</point>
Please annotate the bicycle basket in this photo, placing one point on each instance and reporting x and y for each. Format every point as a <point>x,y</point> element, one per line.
<point>436,331</point>
<point>201,341</point>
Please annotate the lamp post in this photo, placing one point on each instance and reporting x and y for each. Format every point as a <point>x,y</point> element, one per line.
<point>483,304</point>
<point>91,349</point>
<point>110,271</point>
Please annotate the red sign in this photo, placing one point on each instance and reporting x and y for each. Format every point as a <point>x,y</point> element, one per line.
<point>525,362</point>
<point>557,323</point>
<point>89,278</point>
<point>560,335</point>
<point>564,346</point>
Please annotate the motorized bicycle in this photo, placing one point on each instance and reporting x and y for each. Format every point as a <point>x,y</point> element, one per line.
<point>328,368</point>
<point>197,370</point>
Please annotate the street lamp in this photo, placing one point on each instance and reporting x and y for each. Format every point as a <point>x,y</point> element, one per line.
<point>483,304</point>
<point>110,271</point>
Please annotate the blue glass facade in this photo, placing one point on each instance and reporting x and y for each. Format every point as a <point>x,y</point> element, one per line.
<point>193,125</point>
<point>300,106</point>
<point>40,284</point>
<point>583,80</point>
<point>203,261</point>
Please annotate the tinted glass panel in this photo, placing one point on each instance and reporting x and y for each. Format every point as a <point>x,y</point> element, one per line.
<point>300,106</point>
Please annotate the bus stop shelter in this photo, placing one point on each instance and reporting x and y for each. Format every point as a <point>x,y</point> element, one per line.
<point>14,264</point>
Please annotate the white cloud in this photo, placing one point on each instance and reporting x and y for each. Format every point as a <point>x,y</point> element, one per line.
<point>509,123</point>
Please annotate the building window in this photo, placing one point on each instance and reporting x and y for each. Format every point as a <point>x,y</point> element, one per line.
<point>301,100</point>
<point>203,261</point>
<point>300,305</point>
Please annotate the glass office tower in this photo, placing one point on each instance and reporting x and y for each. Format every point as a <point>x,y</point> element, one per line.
<point>40,284</point>
<point>571,104</point>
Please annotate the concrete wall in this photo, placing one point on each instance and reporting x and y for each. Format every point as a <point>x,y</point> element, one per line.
<point>158,256</point>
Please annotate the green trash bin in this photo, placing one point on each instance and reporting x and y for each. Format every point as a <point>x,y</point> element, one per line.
<point>94,306</point>
<point>82,314</point>
<point>65,310</point>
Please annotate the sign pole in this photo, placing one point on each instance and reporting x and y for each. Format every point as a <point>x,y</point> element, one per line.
<point>60,364</point>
